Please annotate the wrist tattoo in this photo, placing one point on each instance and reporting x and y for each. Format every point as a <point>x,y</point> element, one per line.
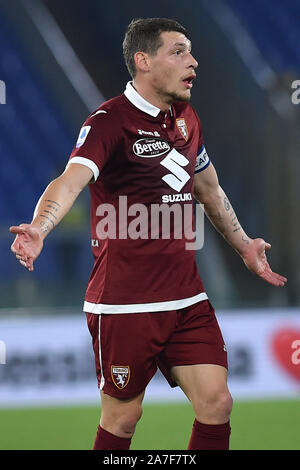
<point>44,226</point>
<point>245,239</point>
<point>46,217</point>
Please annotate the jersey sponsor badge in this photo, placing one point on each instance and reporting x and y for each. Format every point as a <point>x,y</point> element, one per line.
<point>182,127</point>
<point>174,162</point>
<point>120,376</point>
<point>149,148</point>
<point>82,135</point>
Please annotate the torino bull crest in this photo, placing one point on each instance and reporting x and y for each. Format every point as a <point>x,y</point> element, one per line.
<point>120,376</point>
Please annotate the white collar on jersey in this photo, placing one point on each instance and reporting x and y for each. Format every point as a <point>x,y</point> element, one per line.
<point>139,102</point>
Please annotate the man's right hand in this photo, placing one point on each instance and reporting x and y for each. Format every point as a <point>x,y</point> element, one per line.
<point>27,245</point>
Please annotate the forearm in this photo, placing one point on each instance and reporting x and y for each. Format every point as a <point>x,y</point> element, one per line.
<point>53,205</point>
<point>220,212</point>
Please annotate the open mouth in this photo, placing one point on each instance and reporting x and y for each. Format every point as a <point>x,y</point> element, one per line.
<point>188,81</point>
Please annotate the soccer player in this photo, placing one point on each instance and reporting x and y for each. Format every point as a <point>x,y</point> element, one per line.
<point>145,303</point>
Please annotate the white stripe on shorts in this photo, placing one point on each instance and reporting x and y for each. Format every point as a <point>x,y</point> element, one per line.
<point>102,380</point>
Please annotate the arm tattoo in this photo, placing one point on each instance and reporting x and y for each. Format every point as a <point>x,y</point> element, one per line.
<point>235,224</point>
<point>245,240</point>
<point>46,217</point>
<point>44,226</point>
<point>53,202</point>
<point>226,204</point>
<point>52,207</point>
<point>48,212</point>
<point>234,219</point>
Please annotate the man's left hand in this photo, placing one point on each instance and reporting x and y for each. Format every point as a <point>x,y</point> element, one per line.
<point>256,261</point>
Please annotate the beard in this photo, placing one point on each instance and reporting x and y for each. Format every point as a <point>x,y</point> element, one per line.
<point>171,97</point>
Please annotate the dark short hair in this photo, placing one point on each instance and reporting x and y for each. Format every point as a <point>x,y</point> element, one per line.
<point>143,35</point>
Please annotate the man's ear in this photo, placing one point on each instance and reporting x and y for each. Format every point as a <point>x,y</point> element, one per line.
<point>142,62</point>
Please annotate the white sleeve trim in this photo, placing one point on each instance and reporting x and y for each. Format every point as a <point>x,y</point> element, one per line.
<point>86,162</point>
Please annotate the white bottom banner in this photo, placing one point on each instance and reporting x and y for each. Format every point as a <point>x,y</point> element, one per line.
<point>49,360</point>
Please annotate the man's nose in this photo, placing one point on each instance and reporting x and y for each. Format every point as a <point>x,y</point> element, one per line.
<point>192,62</point>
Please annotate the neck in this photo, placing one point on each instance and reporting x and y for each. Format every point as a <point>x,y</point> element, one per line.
<point>150,95</point>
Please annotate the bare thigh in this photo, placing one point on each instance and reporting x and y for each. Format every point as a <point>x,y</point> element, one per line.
<point>119,416</point>
<point>205,385</point>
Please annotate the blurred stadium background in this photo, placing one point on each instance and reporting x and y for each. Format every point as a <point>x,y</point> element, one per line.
<point>59,61</point>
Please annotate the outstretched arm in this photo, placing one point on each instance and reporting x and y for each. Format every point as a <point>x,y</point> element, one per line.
<point>53,205</point>
<point>221,214</point>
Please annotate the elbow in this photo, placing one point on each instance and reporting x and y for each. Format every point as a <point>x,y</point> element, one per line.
<point>199,194</point>
<point>68,186</point>
<point>209,196</point>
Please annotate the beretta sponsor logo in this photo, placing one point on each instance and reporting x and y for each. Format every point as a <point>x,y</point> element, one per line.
<point>149,148</point>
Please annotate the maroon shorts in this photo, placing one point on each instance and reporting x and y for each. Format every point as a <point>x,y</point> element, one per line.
<point>134,345</point>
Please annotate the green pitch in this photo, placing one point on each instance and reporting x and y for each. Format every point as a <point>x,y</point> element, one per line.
<point>255,425</point>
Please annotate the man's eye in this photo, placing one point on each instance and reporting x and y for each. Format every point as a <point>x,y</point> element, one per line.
<point>178,52</point>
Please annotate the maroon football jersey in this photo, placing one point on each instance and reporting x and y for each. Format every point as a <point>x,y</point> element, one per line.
<point>143,161</point>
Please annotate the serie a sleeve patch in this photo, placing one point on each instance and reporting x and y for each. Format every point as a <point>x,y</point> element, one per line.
<point>202,160</point>
<point>82,135</point>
